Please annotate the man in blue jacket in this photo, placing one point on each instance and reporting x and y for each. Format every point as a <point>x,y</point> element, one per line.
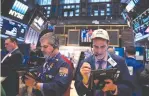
<point>101,59</point>
<point>55,75</point>
<point>135,68</point>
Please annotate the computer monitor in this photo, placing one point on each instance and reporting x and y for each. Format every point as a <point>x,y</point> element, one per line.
<point>119,51</point>
<point>147,54</point>
<point>12,28</point>
<point>86,35</point>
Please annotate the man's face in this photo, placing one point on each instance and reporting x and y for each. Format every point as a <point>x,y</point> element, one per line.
<point>100,48</point>
<point>46,48</point>
<point>9,45</point>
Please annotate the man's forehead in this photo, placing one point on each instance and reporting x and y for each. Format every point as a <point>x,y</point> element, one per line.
<point>43,42</point>
<point>99,45</point>
<point>7,41</point>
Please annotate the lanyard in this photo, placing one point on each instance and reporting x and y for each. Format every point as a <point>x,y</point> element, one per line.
<point>46,64</point>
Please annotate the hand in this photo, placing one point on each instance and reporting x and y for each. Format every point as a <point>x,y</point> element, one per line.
<point>109,86</point>
<point>85,72</point>
<point>29,81</point>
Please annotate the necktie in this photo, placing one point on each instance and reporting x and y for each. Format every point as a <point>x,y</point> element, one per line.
<point>99,92</point>
<point>100,62</point>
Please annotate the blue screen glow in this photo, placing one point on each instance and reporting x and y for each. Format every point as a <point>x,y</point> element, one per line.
<point>19,7</point>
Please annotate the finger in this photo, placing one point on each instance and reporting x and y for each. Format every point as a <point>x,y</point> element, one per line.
<point>105,89</point>
<point>86,69</point>
<point>85,64</point>
<point>26,82</point>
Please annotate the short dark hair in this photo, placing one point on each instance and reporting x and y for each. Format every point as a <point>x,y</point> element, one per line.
<point>12,39</point>
<point>131,50</point>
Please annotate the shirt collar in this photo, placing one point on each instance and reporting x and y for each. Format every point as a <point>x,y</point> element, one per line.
<point>13,50</point>
<point>131,57</point>
<point>54,57</point>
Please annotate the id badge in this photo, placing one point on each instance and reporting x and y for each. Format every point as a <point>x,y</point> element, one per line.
<point>112,62</point>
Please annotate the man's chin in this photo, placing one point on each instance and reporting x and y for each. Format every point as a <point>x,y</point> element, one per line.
<point>99,57</point>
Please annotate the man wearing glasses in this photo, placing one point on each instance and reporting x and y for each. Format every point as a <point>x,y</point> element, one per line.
<point>101,59</point>
<point>55,74</point>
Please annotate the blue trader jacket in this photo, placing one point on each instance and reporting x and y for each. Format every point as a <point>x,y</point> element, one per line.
<point>124,83</point>
<point>137,68</point>
<point>56,76</point>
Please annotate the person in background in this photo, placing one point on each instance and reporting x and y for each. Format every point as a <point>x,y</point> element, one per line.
<point>9,65</point>
<point>111,50</point>
<point>144,76</point>
<point>55,75</point>
<point>135,68</point>
<point>101,59</point>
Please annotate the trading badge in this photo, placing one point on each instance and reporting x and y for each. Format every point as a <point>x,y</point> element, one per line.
<point>56,59</point>
<point>63,71</point>
<point>51,65</point>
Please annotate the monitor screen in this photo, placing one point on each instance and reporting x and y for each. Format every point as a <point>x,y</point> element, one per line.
<point>51,28</point>
<point>86,35</point>
<point>125,15</point>
<point>136,1</point>
<point>12,28</point>
<point>119,51</point>
<point>147,54</point>
<point>141,25</point>
<point>147,30</point>
<point>38,23</point>
<point>139,51</point>
<point>18,10</point>
<point>130,6</point>
<point>32,36</point>
<point>125,1</point>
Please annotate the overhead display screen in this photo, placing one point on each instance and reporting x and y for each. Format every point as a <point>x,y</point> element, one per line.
<point>32,36</point>
<point>12,28</point>
<point>130,6</point>
<point>86,35</point>
<point>141,25</point>
<point>18,10</point>
<point>38,24</point>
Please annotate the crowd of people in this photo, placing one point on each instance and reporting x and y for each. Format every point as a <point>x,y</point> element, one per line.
<point>54,76</point>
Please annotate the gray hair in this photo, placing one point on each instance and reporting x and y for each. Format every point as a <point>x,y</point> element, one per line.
<point>52,39</point>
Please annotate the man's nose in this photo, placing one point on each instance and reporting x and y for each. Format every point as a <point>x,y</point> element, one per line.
<point>41,49</point>
<point>100,51</point>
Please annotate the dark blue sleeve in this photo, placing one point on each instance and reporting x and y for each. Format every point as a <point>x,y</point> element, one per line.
<point>60,83</point>
<point>125,85</point>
